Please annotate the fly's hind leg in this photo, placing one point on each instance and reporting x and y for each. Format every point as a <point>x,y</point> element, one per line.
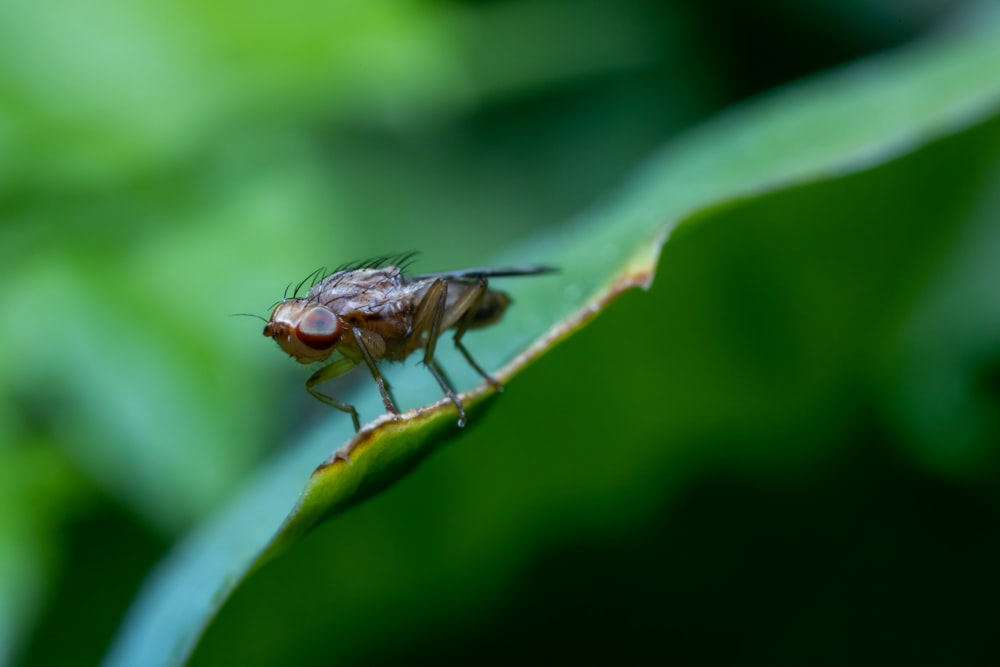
<point>328,372</point>
<point>470,304</point>
<point>429,316</point>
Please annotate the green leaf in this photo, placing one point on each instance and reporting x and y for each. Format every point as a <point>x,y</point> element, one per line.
<point>844,122</point>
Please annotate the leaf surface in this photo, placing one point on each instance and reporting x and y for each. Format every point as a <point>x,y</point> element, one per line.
<point>843,122</point>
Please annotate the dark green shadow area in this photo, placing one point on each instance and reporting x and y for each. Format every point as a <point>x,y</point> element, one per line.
<point>868,562</point>
<point>704,470</point>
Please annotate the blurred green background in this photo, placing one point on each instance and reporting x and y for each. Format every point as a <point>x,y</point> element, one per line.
<point>789,451</point>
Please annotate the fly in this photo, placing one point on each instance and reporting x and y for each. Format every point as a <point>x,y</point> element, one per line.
<point>373,312</point>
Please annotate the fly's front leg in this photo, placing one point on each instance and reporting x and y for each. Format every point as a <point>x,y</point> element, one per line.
<point>328,372</point>
<point>470,303</point>
<point>429,316</point>
<point>383,387</point>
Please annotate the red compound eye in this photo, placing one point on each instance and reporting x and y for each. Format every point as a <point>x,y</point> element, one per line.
<point>318,329</point>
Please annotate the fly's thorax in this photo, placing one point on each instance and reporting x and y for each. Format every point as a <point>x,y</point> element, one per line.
<point>305,330</point>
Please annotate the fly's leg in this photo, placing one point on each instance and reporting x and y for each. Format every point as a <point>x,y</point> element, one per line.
<point>383,387</point>
<point>328,372</point>
<point>438,374</point>
<point>470,304</point>
<point>432,307</point>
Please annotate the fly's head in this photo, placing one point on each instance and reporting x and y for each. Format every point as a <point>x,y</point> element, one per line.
<point>306,331</point>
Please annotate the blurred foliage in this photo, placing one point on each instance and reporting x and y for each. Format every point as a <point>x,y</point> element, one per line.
<point>810,409</point>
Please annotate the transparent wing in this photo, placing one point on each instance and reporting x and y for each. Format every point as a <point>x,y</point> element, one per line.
<point>467,274</point>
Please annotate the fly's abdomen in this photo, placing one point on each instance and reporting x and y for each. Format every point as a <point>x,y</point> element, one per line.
<point>490,309</point>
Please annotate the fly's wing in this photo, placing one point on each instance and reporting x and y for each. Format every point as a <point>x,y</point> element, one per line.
<point>474,274</point>
<point>462,283</point>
